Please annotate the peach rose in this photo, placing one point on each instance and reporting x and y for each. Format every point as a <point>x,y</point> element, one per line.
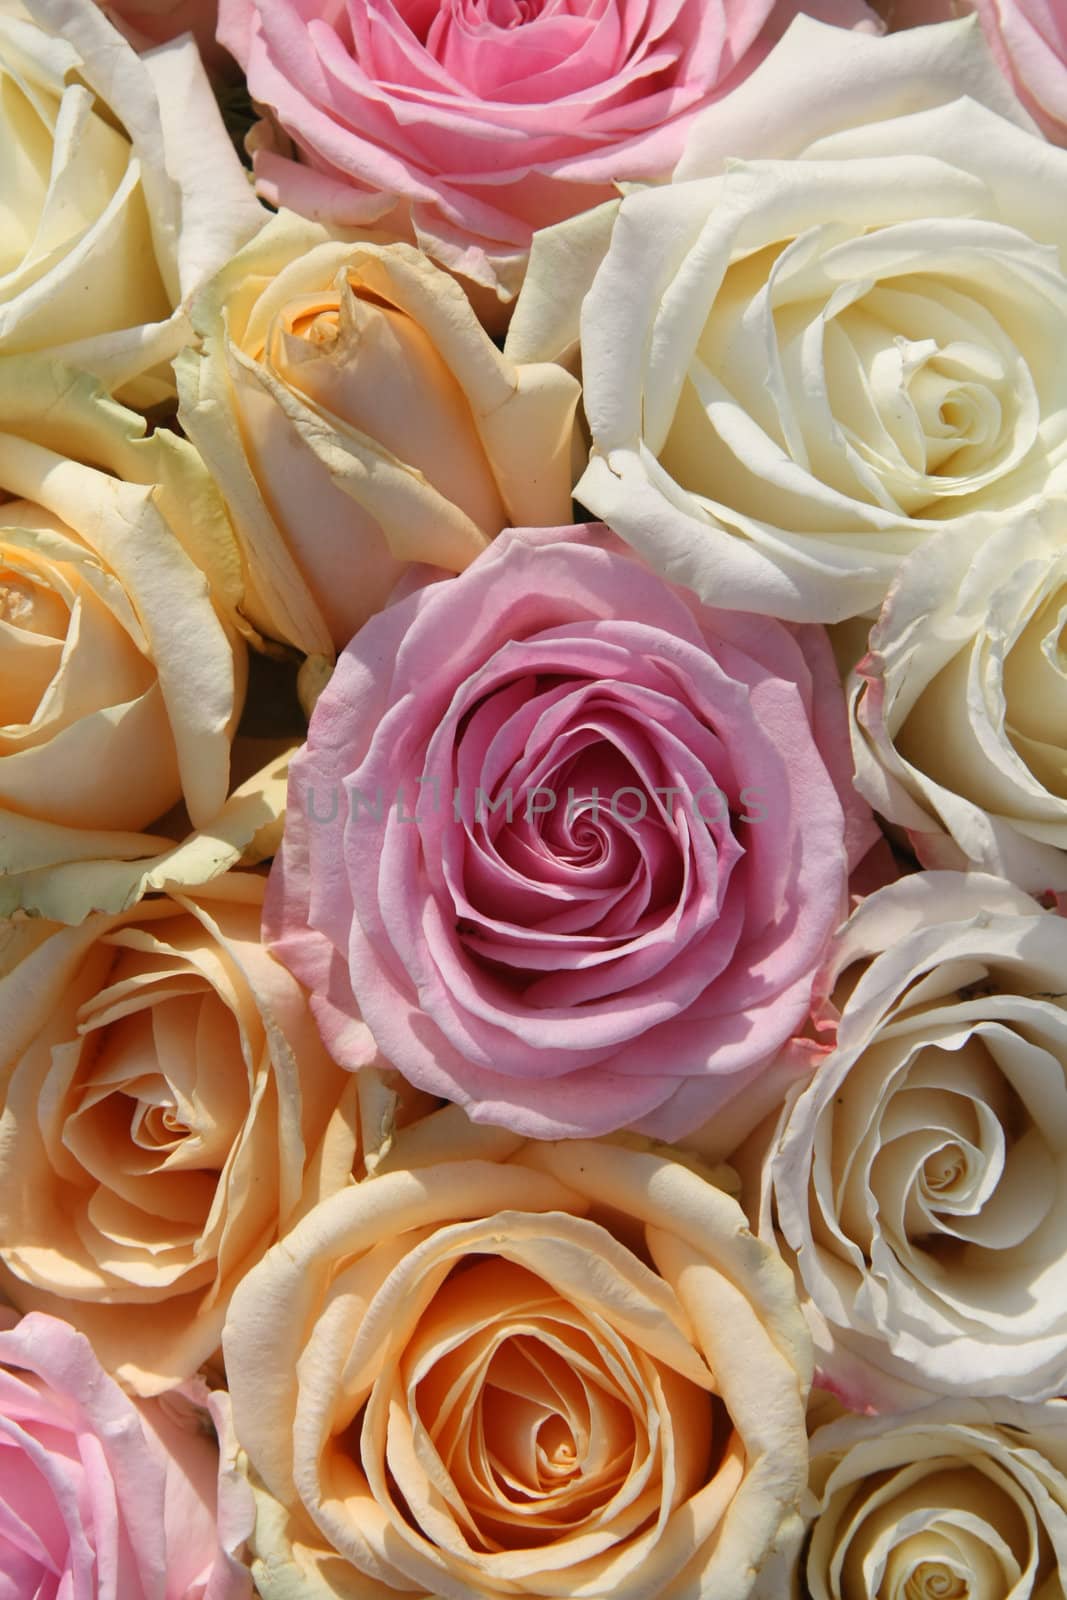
<point>516,1368</point>
<point>357,418</point>
<point>167,1111</point>
<point>121,670</point>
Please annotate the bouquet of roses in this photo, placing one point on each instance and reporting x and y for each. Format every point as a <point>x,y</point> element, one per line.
<point>533,800</point>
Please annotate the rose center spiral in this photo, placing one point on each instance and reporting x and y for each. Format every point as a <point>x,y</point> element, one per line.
<point>945,1168</point>
<point>557,1452</point>
<point>933,1580</point>
<point>27,605</point>
<point>508,13</point>
<point>33,624</point>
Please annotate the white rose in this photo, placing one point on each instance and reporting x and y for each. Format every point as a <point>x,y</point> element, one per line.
<point>960,1501</point>
<point>920,1180</point>
<point>122,194</point>
<point>958,707</point>
<point>799,365</point>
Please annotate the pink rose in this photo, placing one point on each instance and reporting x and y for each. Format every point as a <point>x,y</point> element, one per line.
<point>102,1498</point>
<point>569,842</point>
<point>475,122</point>
<point>1028,38</point>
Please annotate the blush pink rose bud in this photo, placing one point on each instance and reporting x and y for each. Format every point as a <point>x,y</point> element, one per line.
<point>102,1498</point>
<point>1028,38</point>
<point>568,844</point>
<point>468,125</point>
<point>152,22</point>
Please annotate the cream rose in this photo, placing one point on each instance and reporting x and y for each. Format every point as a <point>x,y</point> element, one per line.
<point>919,1182</point>
<point>515,1368</point>
<point>958,705</point>
<point>796,369</point>
<point>123,194</point>
<point>358,418</point>
<point>121,671</point>
<point>960,1501</point>
<point>167,1110</point>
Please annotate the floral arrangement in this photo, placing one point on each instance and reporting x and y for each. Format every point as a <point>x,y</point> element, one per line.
<point>533,800</point>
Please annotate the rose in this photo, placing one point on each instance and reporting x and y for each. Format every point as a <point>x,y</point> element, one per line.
<point>472,124</point>
<point>128,194</point>
<point>570,843</point>
<point>1028,38</point>
<point>953,726</point>
<point>102,1498</point>
<point>245,832</point>
<point>796,371</point>
<point>918,1180</point>
<point>962,1498</point>
<point>150,22</point>
<point>358,417</point>
<point>167,1110</point>
<point>798,496</point>
<point>121,672</point>
<point>507,1368</point>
